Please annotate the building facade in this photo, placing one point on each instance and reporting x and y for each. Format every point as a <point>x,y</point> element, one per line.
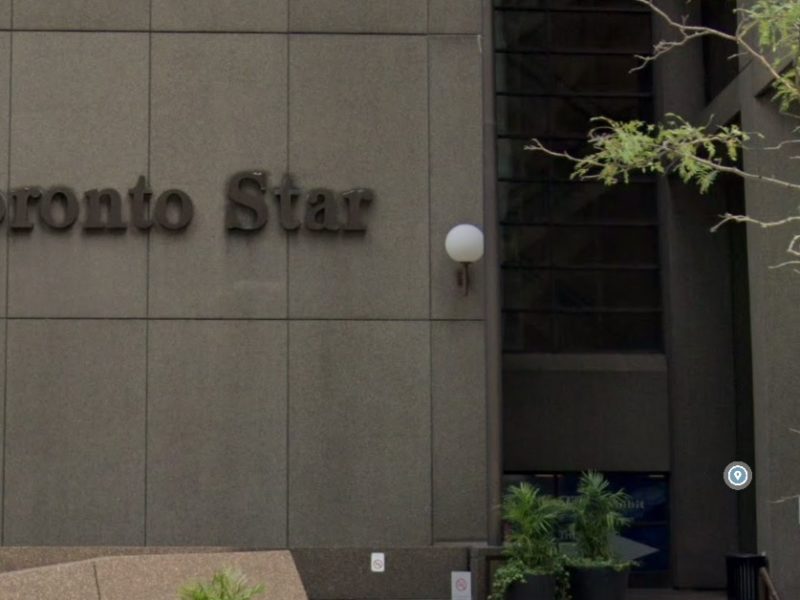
<point>265,388</point>
<point>230,319</point>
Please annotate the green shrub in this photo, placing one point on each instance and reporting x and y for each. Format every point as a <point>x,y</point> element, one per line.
<point>597,517</point>
<point>227,584</point>
<point>530,547</point>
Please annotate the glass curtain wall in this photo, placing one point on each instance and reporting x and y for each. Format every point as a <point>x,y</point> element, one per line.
<point>580,261</point>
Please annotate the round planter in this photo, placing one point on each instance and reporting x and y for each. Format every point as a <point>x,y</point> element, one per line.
<point>535,587</point>
<point>600,583</point>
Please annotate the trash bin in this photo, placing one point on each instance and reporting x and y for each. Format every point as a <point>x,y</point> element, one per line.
<point>743,575</point>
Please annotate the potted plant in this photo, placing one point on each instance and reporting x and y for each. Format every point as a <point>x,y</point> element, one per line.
<point>534,567</point>
<point>596,572</point>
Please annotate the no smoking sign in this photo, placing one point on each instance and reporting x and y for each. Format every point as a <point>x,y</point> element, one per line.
<point>377,562</point>
<point>461,585</point>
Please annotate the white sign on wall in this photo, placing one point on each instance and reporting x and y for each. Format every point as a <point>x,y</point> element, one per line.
<point>461,585</point>
<point>377,562</point>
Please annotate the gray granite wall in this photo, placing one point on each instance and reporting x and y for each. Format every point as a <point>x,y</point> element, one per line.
<point>774,296</point>
<point>265,390</point>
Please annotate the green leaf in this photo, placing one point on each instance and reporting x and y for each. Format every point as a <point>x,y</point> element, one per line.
<point>227,584</point>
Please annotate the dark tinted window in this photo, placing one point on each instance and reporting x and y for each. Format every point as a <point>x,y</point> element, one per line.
<point>720,56</point>
<point>580,260</point>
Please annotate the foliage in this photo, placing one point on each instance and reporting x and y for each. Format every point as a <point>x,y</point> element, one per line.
<point>533,518</point>
<point>776,23</point>
<point>507,574</point>
<point>768,34</point>
<point>622,148</point>
<point>227,584</point>
<point>611,563</point>
<point>598,516</point>
<point>531,547</point>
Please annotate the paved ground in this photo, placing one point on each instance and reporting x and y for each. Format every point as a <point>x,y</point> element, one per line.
<point>674,595</point>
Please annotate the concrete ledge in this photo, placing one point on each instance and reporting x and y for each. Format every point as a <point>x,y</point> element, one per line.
<point>156,573</point>
<point>14,558</point>
<point>160,577</point>
<point>152,577</point>
<point>411,573</point>
<point>74,581</point>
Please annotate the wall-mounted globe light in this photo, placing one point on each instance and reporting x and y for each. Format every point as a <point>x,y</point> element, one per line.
<point>464,244</point>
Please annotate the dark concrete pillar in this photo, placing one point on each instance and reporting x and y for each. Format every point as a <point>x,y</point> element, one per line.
<point>775,323</point>
<point>698,337</point>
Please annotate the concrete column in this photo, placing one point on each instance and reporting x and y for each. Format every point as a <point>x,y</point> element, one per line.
<point>774,298</point>
<point>698,339</point>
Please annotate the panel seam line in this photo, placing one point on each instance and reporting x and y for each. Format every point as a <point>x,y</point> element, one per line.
<point>3,536</point>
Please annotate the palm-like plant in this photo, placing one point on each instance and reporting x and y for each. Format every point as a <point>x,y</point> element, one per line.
<point>530,548</point>
<point>227,584</point>
<point>533,518</point>
<point>598,516</point>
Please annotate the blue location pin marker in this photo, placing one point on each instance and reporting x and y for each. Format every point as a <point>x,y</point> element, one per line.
<point>737,475</point>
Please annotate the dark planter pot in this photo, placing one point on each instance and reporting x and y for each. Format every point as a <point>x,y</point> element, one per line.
<point>536,587</point>
<point>601,583</point>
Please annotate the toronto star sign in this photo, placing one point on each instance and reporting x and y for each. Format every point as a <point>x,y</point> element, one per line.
<point>247,209</point>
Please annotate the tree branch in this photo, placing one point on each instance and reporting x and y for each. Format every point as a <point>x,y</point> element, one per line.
<point>692,32</point>
<point>729,217</point>
<point>747,175</point>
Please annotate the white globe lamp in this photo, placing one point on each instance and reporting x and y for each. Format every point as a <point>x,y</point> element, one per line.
<point>464,244</point>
